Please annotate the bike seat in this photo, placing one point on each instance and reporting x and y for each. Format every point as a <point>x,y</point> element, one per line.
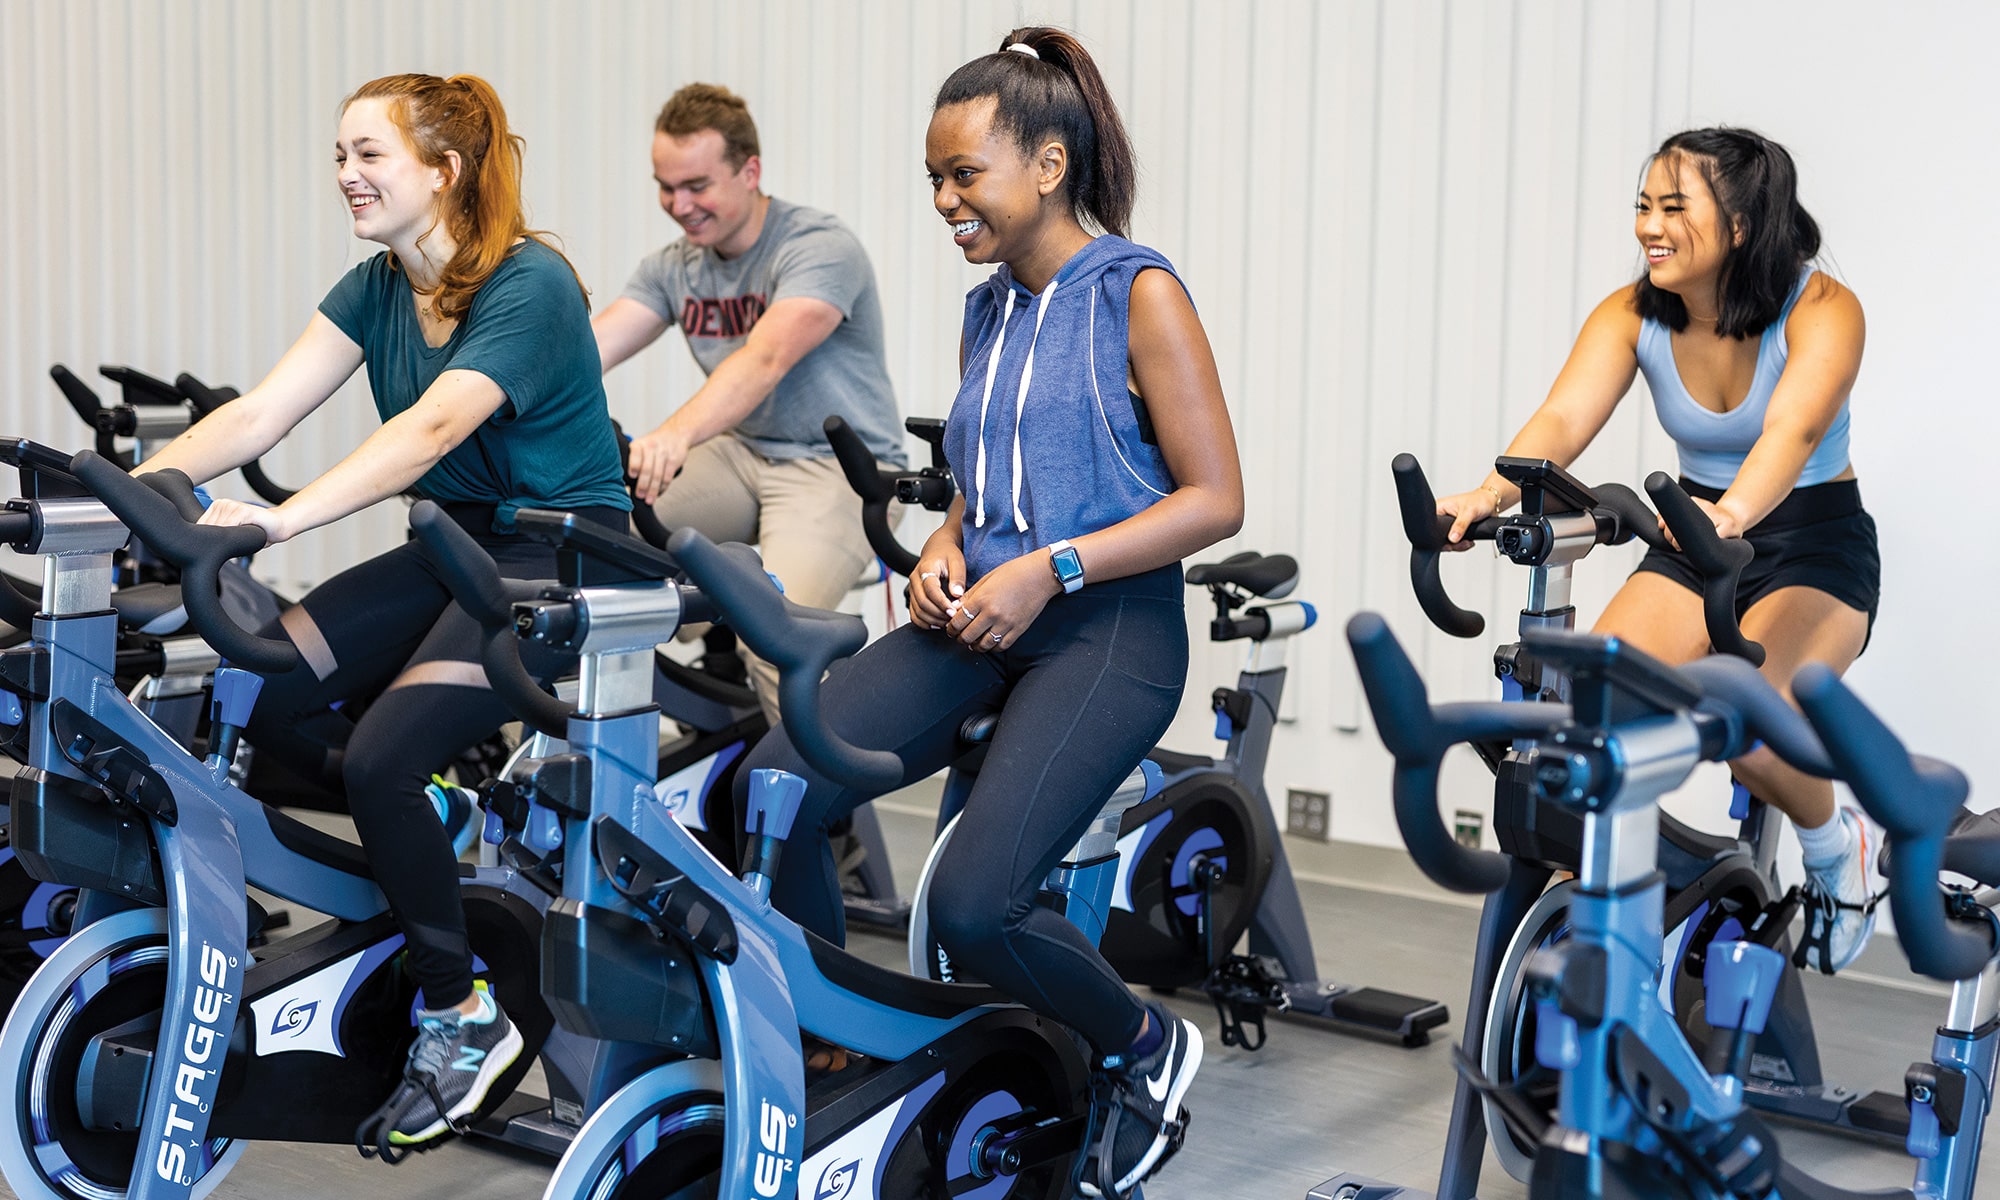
<point>924,997</point>
<point>1268,576</point>
<point>1175,763</point>
<point>301,838</point>
<point>150,607</point>
<point>1972,848</point>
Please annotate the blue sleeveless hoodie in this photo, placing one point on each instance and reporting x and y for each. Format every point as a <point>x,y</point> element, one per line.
<point>1044,437</point>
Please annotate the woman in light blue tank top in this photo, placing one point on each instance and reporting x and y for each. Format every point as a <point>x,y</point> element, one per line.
<point>1750,355</point>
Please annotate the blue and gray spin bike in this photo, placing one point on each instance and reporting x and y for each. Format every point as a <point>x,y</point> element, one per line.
<point>661,950</point>
<point>155,1043</point>
<point>1640,1113</point>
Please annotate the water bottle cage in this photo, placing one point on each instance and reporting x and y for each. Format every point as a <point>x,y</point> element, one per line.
<point>674,905</point>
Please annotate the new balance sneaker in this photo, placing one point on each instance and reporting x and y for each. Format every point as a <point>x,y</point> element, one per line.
<point>1139,1120</point>
<point>1838,902</point>
<point>451,1068</point>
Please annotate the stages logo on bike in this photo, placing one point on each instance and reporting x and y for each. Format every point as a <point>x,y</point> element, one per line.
<point>774,1127</point>
<point>295,1019</point>
<point>207,1038</point>
<point>837,1181</point>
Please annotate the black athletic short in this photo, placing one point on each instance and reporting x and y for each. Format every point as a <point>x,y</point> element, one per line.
<point>1818,537</point>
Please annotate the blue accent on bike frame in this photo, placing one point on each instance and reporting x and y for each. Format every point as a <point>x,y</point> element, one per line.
<point>1224,729</point>
<point>1556,1044</point>
<point>236,692</point>
<point>1312,615</point>
<point>1739,801</point>
<point>1511,689</point>
<point>773,803</point>
<point>10,708</point>
<point>1155,777</point>
<point>1740,981</point>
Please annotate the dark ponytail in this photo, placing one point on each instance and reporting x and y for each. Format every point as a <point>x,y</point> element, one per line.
<point>1057,94</point>
<point>1755,186</point>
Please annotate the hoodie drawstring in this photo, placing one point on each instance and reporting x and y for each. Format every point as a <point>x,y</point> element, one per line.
<point>1020,404</point>
<point>985,399</point>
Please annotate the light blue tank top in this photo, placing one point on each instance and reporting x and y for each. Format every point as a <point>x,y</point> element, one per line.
<point>1713,445</point>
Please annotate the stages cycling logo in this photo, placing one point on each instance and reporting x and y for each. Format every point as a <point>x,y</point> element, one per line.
<point>774,1127</point>
<point>207,1038</point>
<point>294,1019</point>
<point>838,1181</point>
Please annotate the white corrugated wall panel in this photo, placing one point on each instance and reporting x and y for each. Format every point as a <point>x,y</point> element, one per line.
<point>1393,215</point>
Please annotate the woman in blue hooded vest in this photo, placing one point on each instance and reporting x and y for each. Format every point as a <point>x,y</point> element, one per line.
<point>1750,354</point>
<point>1094,453</point>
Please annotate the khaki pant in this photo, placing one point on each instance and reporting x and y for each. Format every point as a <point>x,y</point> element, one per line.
<point>799,513</point>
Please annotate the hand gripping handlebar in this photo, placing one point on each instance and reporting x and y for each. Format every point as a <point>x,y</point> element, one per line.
<point>1916,800</point>
<point>877,489</point>
<point>161,508</point>
<point>801,642</point>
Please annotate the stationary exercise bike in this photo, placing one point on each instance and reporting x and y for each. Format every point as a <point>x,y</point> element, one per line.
<point>1717,886</point>
<point>1201,864</point>
<point>297,1041</point>
<point>1642,1110</point>
<point>657,946</point>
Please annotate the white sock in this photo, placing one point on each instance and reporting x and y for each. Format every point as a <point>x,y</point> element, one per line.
<point>1826,844</point>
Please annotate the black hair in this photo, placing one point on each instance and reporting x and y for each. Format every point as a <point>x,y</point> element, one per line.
<point>1057,94</point>
<point>1772,237</point>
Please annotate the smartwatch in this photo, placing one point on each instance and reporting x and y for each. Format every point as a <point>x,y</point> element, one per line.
<point>1067,566</point>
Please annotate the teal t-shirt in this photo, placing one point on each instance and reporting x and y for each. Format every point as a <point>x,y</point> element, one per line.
<point>551,444</point>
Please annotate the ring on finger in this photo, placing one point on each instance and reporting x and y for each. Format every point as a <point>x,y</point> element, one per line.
<point>998,636</point>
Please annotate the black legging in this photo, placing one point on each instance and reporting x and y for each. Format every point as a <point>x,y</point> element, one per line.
<point>390,623</point>
<point>1082,695</point>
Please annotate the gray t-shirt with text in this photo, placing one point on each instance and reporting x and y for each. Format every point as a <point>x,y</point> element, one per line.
<point>800,252</point>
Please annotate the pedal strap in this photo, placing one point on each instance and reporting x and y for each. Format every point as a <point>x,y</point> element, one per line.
<point>1244,987</point>
<point>1822,911</point>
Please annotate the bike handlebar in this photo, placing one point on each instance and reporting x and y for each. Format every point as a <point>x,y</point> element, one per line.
<point>1418,733</point>
<point>1620,515</point>
<point>206,400</point>
<point>474,581</point>
<point>161,508</point>
<point>1720,561</point>
<point>1427,529</point>
<point>877,489</point>
<point>1915,799</point>
<point>801,642</point>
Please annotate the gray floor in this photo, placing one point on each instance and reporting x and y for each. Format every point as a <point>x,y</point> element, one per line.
<point>1270,1124</point>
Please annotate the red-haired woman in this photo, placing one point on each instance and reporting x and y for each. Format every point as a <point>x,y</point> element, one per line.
<point>476,336</point>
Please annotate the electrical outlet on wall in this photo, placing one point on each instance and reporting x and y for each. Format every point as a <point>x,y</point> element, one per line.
<point>1309,814</point>
<point>1468,828</point>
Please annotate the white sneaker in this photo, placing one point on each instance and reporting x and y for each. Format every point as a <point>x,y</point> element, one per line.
<point>1839,903</point>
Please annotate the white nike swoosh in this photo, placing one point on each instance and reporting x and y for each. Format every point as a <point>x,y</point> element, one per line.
<point>1157,1088</point>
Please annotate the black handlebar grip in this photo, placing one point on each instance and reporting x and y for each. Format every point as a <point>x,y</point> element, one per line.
<point>877,489</point>
<point>802,642</point>
<point>1402,711</point>
<point>1427,528</point>
<point>206,400</point>
<point>17,608</point>
<point>475,583</point>
<point>1720,562</point>
<point>198,550</point>
<point>647,522</point>
<point>1634,517</point>
<point>78,393</point>
<point>1765,714</point>
<point>1915,800</point>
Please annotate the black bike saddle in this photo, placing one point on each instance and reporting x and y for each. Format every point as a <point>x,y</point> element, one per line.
<point>1269,576</point>
<point>144,606</point>
<point>1972,848</point>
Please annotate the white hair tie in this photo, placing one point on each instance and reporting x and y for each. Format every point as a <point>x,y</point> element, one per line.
<point>1026,49</point>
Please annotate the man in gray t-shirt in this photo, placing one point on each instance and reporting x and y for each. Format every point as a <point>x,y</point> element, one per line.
<point>778,304</point>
